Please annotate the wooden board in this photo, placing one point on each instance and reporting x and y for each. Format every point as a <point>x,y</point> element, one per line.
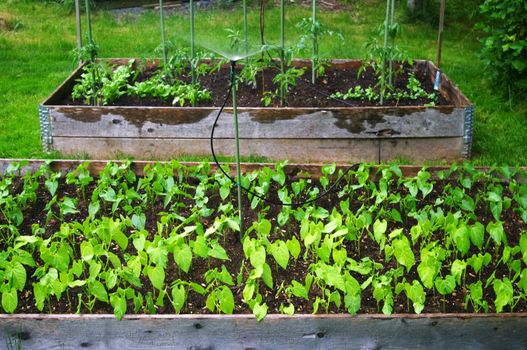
<point>257,123</point>
<point>368,332</point>
<point>294,150</point>
<point>273,149</point>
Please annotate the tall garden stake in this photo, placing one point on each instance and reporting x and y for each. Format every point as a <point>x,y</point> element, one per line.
<point>79,28</point>
<point>91,48</point>
<point>439,44</point>
<point>245,31</point>
<point>163,42</point>
<point>392,40</point>
<point>383,79</point>
<point>192,68</point>
<point>315,42</point>
<point>282,48</point>
<point>237,144</point>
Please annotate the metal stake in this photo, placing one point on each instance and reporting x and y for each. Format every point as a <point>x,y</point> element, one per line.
<point>383,82</point>
<point>192,68</point>
<point>237,143</point>
<point>245,31</point>
<point>439,44</point>
<point>315,43</point>
<point>79,27</point>
<point>162,17</point>
<point>282,48</point>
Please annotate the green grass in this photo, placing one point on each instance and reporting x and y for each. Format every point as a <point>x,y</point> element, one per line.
<point>36,58</point>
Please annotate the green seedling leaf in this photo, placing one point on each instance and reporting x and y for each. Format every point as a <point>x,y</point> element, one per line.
<point>280,253</point>
<point>200,247</point>
<point>118,303</point>
<point>458,269</point>
<point>260,311</point>
<point>523,246</point>
<point>156,276</point>
<point>495,230</point>
<point>379,232</point>
<point>299,290</point>
<point>403,252</point>
<point>217,251</point>
<point>139,221</point>
<point>139,242</point>
<point>416,294</point>
<point>428,270</point>
<point>477,234</point>
<point>226,300</point>
<point>504,293</point>
<point>293,245</point>
<point>257,256</point>
<point>97,289</point>
<point>183,256</point>
<point>461,239</point>
<point>86,251</point>
<point>287,310</point>
<point>10,300</point>
<point>267,276</point>
<point>445,286</point>
<point>179,297</point>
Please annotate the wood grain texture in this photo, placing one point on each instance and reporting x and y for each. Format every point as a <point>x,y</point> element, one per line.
<point>104,332</point>
<point>299,150</point>
<point>257,123</point>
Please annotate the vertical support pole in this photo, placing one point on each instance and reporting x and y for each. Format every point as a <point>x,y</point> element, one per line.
<point>92,50</point>
<point>439,44</point>
<point>192,68</point>
<point>315,42</point>
<point>237,143</point>
<point>163,41</point>
<point>245,29</point>
<point>392,42</point>
<point>383,78</point>
<point>79,24</point>
<point>282,48</point>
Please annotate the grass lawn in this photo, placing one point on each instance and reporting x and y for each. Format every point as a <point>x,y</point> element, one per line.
<point>36,57</point>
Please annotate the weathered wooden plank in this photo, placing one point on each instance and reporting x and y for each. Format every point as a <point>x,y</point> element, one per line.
<point>103,332</point>
<point>421,150</point>
<point>300,150</point>
<point>256,123</point>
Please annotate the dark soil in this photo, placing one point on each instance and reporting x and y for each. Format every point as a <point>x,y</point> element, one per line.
<point>304,94</point>
<point>513,225</point>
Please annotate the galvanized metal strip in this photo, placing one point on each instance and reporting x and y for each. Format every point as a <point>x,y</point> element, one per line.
<point>45,127</point>
<point>468,131</point>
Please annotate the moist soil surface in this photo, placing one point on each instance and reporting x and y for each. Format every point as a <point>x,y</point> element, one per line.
<point>304,94</point>
<point>296,270</point>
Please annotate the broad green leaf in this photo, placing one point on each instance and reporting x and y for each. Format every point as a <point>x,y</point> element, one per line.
<point>200,247</point>
<point>86,251</point>
<point>18,276</point>
<point>40,293</point>
<point>352,303</point>
<point>226,300</point>
<point>523,246</point>
<point>97,289</point>
<point>445,286</point>
<point>179,297</point>
<point>495,230</point>
<point>461,239</point>
<point>120,238</point>
<point>139,242</point>
<point>280,253</point>
<point>427,271</point>
<point>267,276</point>
<point>139,221</point>
<point>119,305</point>
<point>504,293</point>
<point>477,234</point>
<point>403,252</point>
<point>260,311</point>
<point>293,245</point>
<point>10,300</point>
<point>157,276</point>
<point>416,294</point>
<point>379,232</point>
<point>457,269</point>
<point>257,256</point>
<point>217,251</point>
<point>183,256</point>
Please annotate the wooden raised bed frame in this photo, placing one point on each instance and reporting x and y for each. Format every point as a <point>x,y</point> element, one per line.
<point>199,332</point>
<point>336,134</point>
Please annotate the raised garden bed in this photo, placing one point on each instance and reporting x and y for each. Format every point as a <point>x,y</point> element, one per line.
<point>442,243</point>
<point>313,128</point>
